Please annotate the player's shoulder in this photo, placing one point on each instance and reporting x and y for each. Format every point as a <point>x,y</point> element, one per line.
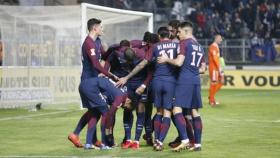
<point>169,42</point>
<point>183,42</point>
<point>155,46</point>
<point>89,42</point>
<point>173,42</point>
<point>88,39</point>
<point>212,48</point>
<point>213,45</point>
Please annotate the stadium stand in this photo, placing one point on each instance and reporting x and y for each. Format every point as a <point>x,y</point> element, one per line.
<point>239,21</point>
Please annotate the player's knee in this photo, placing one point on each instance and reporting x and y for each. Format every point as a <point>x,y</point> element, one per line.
<point>167,113</point>
<point>176,110</point>
<point>160,111</point>
<point>189,117</point>
<point>195,113</point>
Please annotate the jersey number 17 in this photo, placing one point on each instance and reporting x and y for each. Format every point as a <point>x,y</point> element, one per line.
<point>196,55</point>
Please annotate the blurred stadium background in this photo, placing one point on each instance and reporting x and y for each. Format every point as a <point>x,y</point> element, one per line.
<point>40,41</point>
<point>40,63</point>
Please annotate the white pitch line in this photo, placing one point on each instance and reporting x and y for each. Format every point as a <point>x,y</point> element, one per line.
<point>30,116</point>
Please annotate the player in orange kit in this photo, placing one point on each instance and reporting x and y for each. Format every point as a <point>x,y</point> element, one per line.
<point>216,73</point>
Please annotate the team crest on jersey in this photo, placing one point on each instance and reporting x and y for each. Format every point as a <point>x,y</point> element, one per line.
<point>92,52</point>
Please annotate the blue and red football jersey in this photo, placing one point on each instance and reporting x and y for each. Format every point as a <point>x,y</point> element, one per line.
<point>194,56</point>
<point>165,71</point>
<point>91,56</point>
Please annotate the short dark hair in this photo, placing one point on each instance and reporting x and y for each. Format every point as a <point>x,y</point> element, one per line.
<point>163,32</point>
<point>217,34</point>
<point>91,22</point>
<point>174,23</point>
<point>154,38</point>
<point>147,37</point>
<point>150,37</point>
<point>125,43</point>
<point>186,24</point>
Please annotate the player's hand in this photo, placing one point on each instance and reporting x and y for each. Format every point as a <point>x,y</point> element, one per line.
<point>127,104</point>
<point>222,78</point>
<point>102,63</point>
<point>162,59</point>
<point>140,90</point>
<point>122,81</point>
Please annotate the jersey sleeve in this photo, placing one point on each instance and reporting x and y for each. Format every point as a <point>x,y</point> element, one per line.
<point>182,48</point>
<point>90,49</point>
<point>149,54</point>
<point>149,75</point>
<point>107,66</point>
<point>105,54</point>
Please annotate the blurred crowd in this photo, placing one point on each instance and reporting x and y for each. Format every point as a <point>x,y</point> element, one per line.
<point>232,18</point>
<point>255,20</point>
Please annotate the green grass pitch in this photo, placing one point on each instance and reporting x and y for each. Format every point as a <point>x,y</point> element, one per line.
<point>246,124</point>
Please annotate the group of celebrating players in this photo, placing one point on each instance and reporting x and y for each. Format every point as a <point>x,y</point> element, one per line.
<point>162,70</point>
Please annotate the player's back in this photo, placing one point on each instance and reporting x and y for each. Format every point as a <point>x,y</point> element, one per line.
<point>118,63</point>
<point>90,48</point>
<point>165,71</point>
<point>194,55</point>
